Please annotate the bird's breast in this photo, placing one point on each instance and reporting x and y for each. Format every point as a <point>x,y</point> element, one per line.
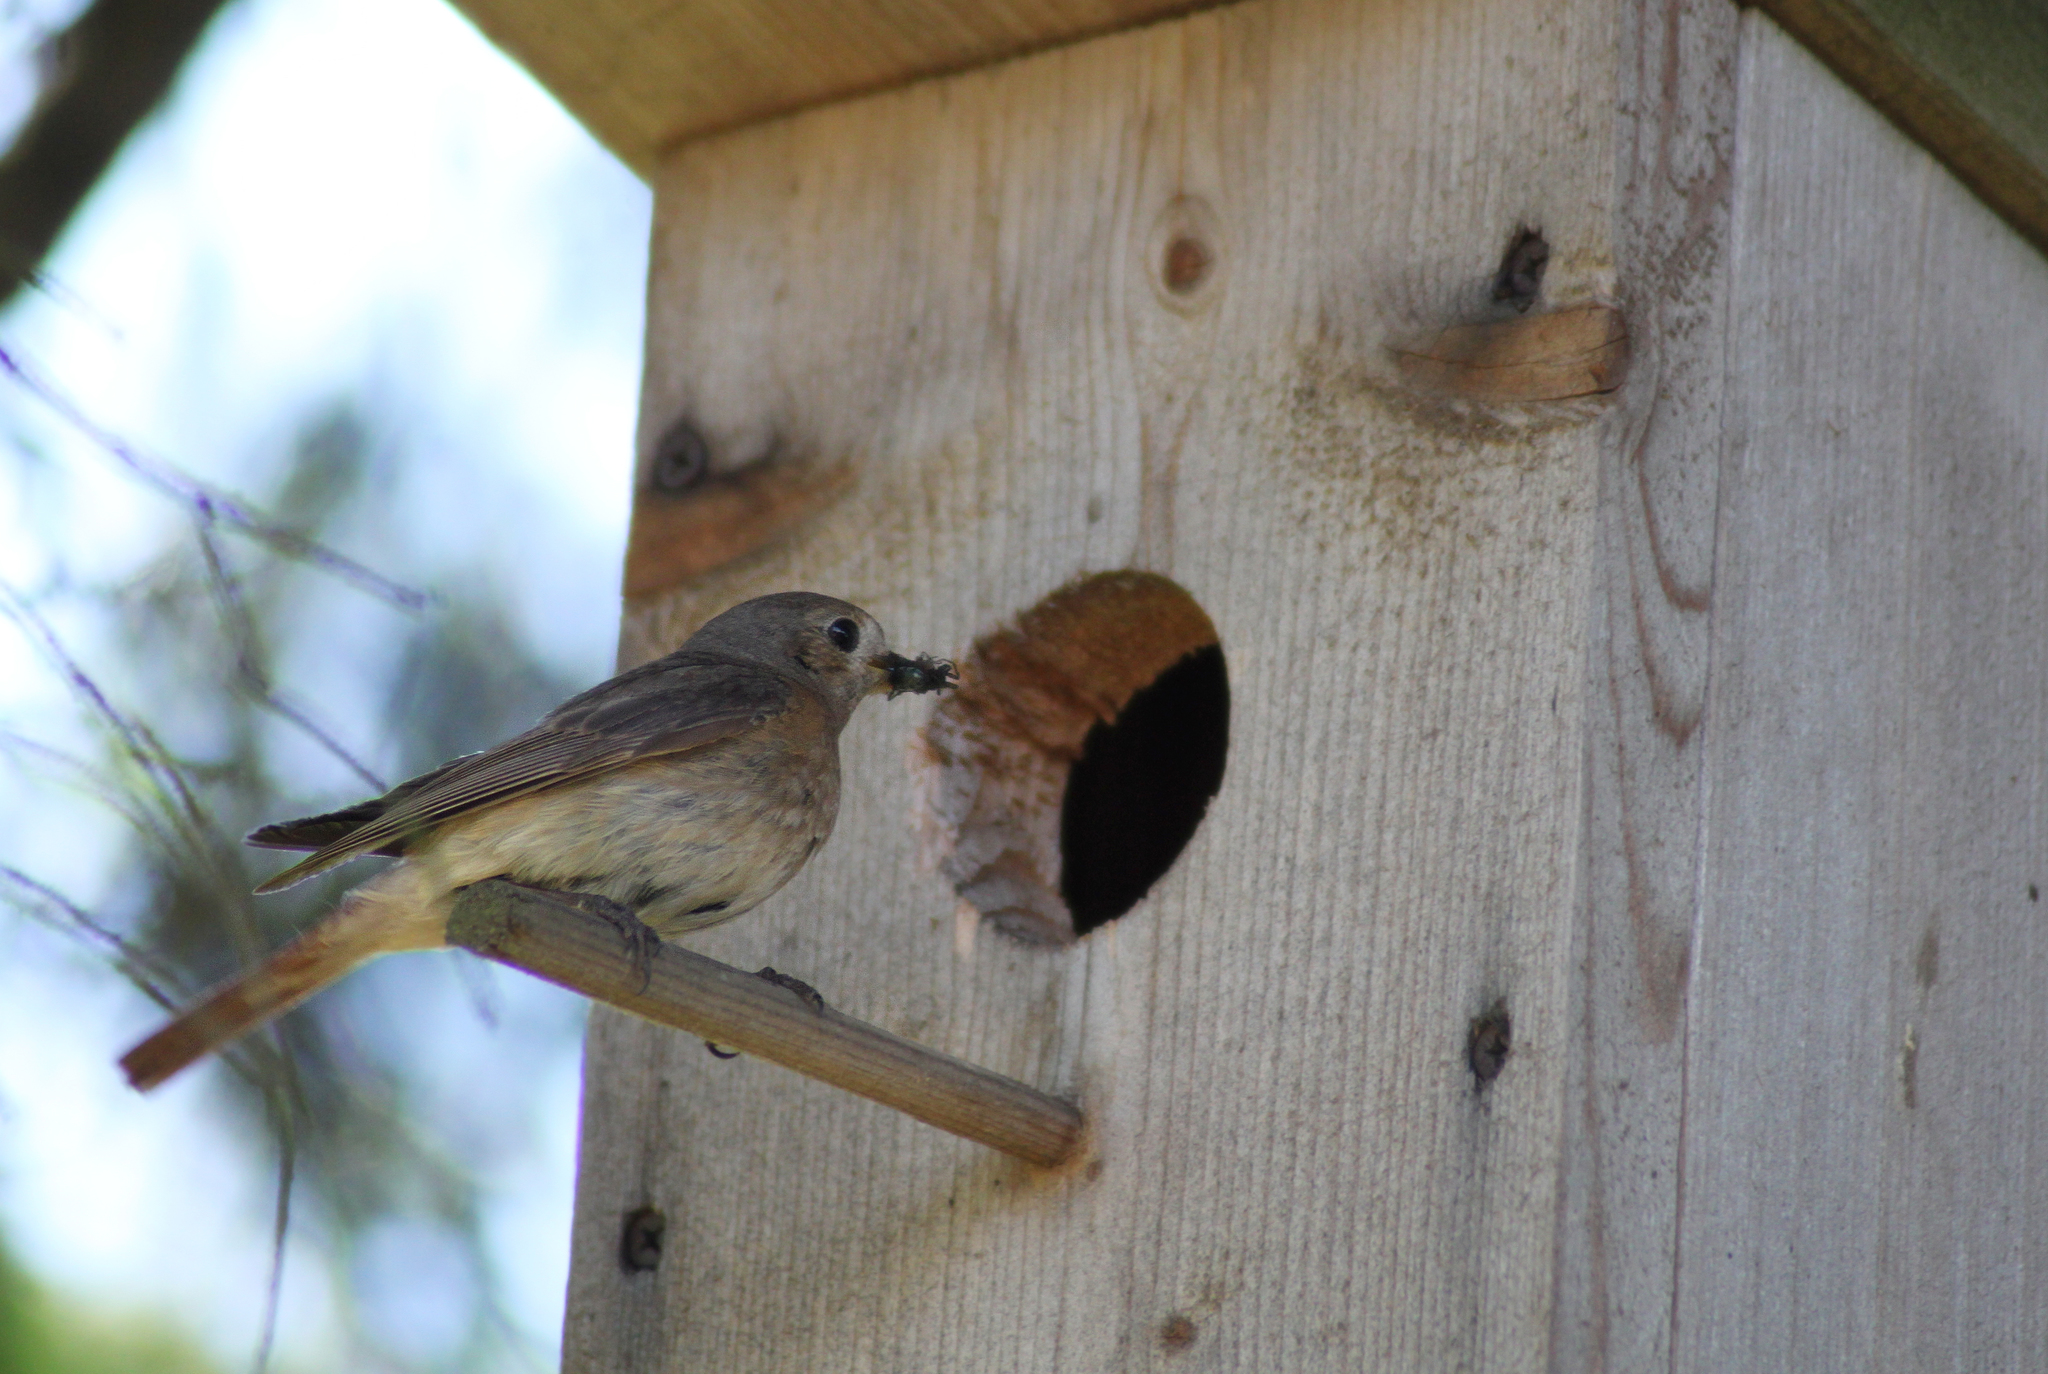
<point>687,841</point>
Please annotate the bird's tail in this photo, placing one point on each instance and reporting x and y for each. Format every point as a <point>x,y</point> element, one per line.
<point>368,922</point>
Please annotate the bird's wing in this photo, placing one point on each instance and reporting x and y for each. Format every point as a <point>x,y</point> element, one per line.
<point>311,832</point>
<point>665,707</point>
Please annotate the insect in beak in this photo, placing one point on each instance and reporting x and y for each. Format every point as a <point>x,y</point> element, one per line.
<point>921,674</point>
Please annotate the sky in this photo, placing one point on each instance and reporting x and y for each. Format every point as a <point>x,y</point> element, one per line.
<point>342,198</point>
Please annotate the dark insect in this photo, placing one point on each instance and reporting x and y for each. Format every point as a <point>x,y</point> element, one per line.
<point>921,674</point>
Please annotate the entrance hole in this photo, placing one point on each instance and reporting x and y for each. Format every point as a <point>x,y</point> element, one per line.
<point>1078,756</point>
<point>1141,786</point>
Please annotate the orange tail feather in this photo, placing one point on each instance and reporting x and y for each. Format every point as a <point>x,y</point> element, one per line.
<point>358,930</point>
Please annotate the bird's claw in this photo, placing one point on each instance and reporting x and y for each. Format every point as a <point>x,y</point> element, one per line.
<point>797,986</point>
<point>641,942</point>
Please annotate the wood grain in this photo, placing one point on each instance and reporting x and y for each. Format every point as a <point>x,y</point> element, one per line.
<point>1968,79</point>
<point>1646,693</point>
<point>1698,723</point>
<point>1865,1059</point>
<point>970,290</point>
<point>552,938</point>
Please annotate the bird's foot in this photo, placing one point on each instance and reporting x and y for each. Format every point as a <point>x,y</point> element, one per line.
<point>717,1053</point>
<point>797,986</point>
<point>641,942</point>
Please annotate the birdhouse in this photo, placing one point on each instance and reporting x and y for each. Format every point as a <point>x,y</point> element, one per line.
<point>1498,558</point>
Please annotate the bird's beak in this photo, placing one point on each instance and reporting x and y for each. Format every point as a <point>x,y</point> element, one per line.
<point>921,674</point>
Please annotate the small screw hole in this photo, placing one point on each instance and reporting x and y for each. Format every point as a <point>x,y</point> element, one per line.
<point>640,1239</point>
<point>1490,1043</point>
<point>1520,278</point>
<point>681,460</point>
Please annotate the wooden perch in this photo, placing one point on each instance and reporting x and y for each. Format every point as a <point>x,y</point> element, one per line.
<point>551,938</point>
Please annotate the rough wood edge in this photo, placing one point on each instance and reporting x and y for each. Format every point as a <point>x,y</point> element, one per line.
<point>549,937</point>
<point>570,51</point>
<point>1925,108</point>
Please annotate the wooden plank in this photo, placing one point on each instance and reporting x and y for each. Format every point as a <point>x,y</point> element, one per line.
<point>1967,78</point>
<point>643,74</point>
<point>1646,694</point>
<point>1865,1091</point>
<point>968,294</point>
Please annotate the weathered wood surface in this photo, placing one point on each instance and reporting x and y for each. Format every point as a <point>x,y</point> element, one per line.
<point>1967,78</point>
<point>1701,720</point>
<point>1866,1058</point>
<point>1964,77</point>
<point>550,936</point>
<point>643,74</point>
<point>959,290</point>
<point>1855,502</point>
<point>1646,693</point>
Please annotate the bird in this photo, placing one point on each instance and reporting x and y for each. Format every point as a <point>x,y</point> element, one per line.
<point>686,791</point>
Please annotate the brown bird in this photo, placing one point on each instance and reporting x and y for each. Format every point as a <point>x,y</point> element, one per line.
<point>687,790</point>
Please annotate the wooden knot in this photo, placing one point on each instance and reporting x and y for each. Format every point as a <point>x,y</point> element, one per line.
<point>1555,356</point>
<point>722,516</point>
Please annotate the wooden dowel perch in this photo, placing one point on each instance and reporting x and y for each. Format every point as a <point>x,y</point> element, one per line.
<point>551,938</point>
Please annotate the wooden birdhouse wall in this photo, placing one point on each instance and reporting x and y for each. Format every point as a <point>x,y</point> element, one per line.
<point>1677,696</point>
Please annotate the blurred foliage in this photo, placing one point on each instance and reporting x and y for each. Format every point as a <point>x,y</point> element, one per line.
<point>203,640</point>
<point>40,1334</point>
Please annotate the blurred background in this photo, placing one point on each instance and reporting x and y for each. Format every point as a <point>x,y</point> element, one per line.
<point>317,377</point>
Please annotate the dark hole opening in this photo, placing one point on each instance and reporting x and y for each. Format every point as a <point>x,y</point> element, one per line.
<point>640,1239</point>
<point>1520,278</point>
<point>1141,786</point>
<point>682,459</point>
<point>1489,1042</point>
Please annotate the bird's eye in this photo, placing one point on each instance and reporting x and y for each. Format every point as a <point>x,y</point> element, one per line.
<point>844,634</point>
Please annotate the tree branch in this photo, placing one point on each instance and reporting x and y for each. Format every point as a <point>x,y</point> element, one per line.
<point>113,65</point>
